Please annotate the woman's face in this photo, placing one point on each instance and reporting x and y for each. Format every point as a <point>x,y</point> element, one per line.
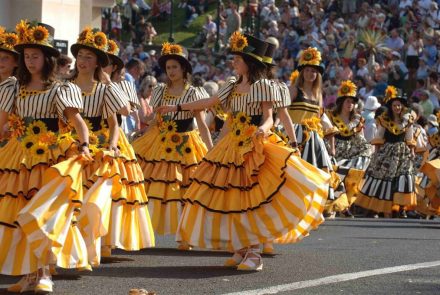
<point>348,105</point>
<point>310,74</point>
<point>34,60</point>
<point>86,61</point>
<point>396,106</point>
<point>240,66</point>
<point>7,63</point>
<point>174,70</point>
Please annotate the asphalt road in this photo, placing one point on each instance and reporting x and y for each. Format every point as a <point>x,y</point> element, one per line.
<point>340,246</point>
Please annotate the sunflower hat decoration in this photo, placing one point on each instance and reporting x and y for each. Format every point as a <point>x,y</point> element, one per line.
<point>392,93</point>
<point>8,41</point>
<point>176,52</point>
<point>93,40</point>
<point>311,57</point>
<point>249,46</point>
<point>35,35</point>
<point>113,54</point>
<point>293,77</point>
<point>347,89</point>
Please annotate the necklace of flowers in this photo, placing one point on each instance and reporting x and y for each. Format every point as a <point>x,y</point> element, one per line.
<point>390,125</point>
<point>341,125</point>
<point>174,143</point>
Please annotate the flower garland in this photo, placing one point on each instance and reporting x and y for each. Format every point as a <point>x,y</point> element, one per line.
<point>32,33</point>
<point>93,38</point>
<point>390,125</point>
<point>242,131</point>
<point>175,144</point>
<point>342,127</point>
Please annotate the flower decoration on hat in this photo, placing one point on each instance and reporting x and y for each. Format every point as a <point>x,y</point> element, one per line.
<point>238,41</point>
<point>310,56</point>
<point>22,29</point>
<point>168,48</point>
<point>112,48</point>
<point>2,30</point>
<point>38,34</point>
<point>93,38</point>
<point>293,77</point>
<point>390,93</point>
<point>347,88</point>
<point>8,40</point>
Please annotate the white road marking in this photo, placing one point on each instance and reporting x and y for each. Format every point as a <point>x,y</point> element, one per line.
<point>337,279</point>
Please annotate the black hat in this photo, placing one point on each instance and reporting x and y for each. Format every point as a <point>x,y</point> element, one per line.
<point>269,54</point>
<point>8,41</point>
<point>174,51</point>
<point>95,41</point>
<point>249,46</point>
<point>347,89</point>
<point>113,52</point>
<point>311,57</point>
<point>36,35</point>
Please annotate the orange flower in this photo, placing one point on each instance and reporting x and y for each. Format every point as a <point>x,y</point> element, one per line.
<point>10,40</point>
<point>85,35</point>
<point>100,40</point>
<point>166,48</point>
<point>176,49</point>
<point>22,29</point>
<point>347,88</point>
<point>250,130</point>
<point>238,41</point>
<point>390,93</point>
<point>112,47</point>
<point>38,34</point>
<point>293,77</point>
<point>16,125</point>
<point>310,56</point>
<point>48,138</point>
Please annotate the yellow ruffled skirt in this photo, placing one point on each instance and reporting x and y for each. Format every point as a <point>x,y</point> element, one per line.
<point>244,195</point>
<point>167,175</point>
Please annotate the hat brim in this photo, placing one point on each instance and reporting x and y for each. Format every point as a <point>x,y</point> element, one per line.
<point>49,50</point>
<point>164,58</point>
<point>16,53</point>
<point>253,58</point>
<point>401,99</point>
<point>341,99</point>
<point>319,68</point>
<point>373,107</point>
<point>116,60</point>
<point>102,56</point>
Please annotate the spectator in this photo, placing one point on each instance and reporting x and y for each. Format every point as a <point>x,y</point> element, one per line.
<point>116,23</point>
<point>426,103</point>
<point>362,68</point>
<point>394,42</point>
<point>63,67</point>
<point>233,20</point>
<point>150,33</point>
<point>422,70</point>
<point>210,29</point>
<point>430,50</point>
<point>270,13</point>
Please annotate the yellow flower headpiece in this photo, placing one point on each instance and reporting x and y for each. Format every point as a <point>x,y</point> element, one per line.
<point>238,41</point>
<point>168,48</point>
<point>347,88</point>
<point>28,33</point>
<point>310,56</point>
<point>113,48</point>
<point>390,93</point>
<point>293,77</point>
<point>8,40</point>
<point>93,38</point>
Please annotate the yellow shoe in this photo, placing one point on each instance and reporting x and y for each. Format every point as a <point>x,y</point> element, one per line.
<point>183,246</point>
<point>268,248</point>
<point>52,270</point>
<point>44,286</point>
<point>234,260</point>
<point>251,263</point>
<point>106,251</point>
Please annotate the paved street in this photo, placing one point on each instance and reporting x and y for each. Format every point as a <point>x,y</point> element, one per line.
<point>341,246</point>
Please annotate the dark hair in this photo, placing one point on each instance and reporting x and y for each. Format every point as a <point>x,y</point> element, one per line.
<point>97,75</point>
<point>134,62</point>
<point>24,76</point>
<point>270,72</point>
<point>256,71</point>
<point>63,60</point>
<point>421,82</point>
<point>433,76</point>
<point>338,109</point>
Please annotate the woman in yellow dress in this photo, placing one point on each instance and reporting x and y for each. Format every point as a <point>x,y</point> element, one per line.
<point>389,185</point>
<point>353,152</point>
<point>310,121</point>
<point>8,55</point>
<point>249,190</point>
<point>37,106</point>
<point>171,148</point>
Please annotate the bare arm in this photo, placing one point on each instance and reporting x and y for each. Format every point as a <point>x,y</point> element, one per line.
<point>114,133</point>
<point>80,127</point>
<point>267,117</point>
<point>125,111</point>
<point>287,123</point>
<point>203,128</point>
<point>201,104</point>
<point>3,122</point>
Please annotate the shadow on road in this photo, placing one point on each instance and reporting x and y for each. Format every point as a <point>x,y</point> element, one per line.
<point>175,252</point>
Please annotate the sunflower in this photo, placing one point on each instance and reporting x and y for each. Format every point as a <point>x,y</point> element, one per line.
<point>112,47</point>
<point>2,30</point>
<point>166,48</point>
<point>175,138</point>
<point>176,49</point>
<point>36,128</point>
<point>38,34</point>
<point>16,125</point>
<point>238,41</point>
<point>242,118</point>
<point>49,138</point>
<point>390,93</point>
<point>100,40</point>
<point>310,56</point>
<point>88,124</point>
<point>29,141</point>
<point>93,139</point>
<point>347,88</point>
<point>169,126</point>
<point>293,77</point>
<point>85,36</point>
<point>10,40</point>
<point>39,149</point>
<point>93,149</point>
<point>22,29</point>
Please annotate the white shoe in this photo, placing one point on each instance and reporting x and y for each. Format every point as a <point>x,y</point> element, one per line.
<point>251,263</point>
<point>44,285</point>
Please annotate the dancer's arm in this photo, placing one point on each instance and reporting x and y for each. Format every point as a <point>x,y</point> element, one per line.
<point>203,129</point>
<point>201,104</point>
<point>81,129</point>
<point>267,117</point>
<point>288,125</point>
<point>114,133</point>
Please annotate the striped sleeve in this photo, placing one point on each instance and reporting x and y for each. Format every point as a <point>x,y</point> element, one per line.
<point>156,95</point>
<point>284,93</point>
<point>114,100</point>
<point>198,94</point>
<point>129,88</point>
<point>226,89</point>
<point>263,90</point>
<point>8,92</point>
<point>68,95</point>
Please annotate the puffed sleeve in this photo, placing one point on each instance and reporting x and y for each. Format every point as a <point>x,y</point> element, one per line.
<point>284,99</point>
<point>114,100</point>
<point>409,136</point>
<point>421,140</point>
<point>156,95</point>
<point>198,94</point>
<point>378,138</point>
<point>68,95</point>
<point>327,125</point>
<point>8,93</point>
<point>129,88</point>
<point>225,90</point>
<point>263,90</point>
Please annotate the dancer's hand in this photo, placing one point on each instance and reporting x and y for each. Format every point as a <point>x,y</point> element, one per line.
<point>116,150</point>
